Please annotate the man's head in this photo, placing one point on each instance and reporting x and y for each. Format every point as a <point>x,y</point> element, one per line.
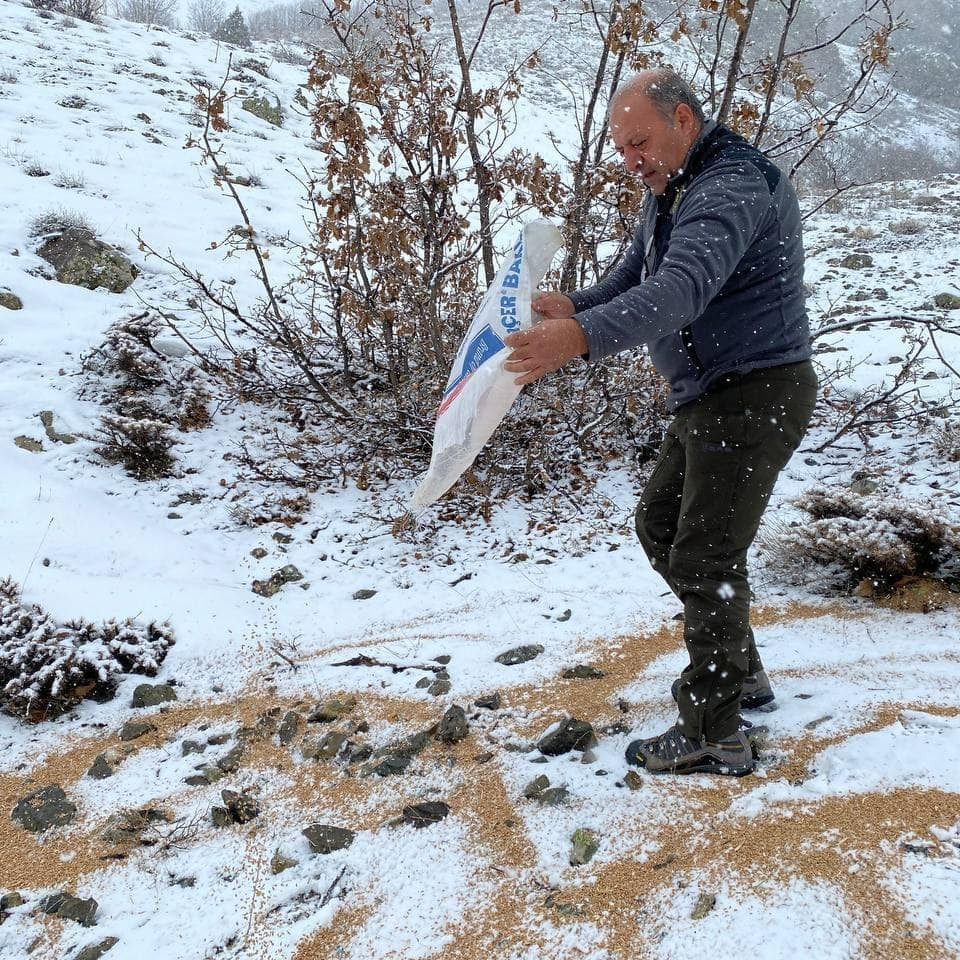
<point>654,120</point>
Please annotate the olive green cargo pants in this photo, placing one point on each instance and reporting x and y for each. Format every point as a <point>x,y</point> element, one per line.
<point>698,515</point>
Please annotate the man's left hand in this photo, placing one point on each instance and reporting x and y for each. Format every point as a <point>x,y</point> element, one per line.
<point>543,348</point>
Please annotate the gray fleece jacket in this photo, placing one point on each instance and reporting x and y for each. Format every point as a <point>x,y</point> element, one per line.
<point>713,280</point>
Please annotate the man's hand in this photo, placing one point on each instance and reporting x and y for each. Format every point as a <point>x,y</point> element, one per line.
<point>545,347</point>
<point>553,305</point>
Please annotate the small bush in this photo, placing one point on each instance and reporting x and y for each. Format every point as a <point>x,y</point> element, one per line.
<point>907,227</point>
<point>35,170</point>
<point>864,233</point>
<point>54,222</point>
<point>46,667</point>
<point>142,446</point>
<point>157,60</point>
<point>8,76</point>
<point>947,441</point>
<point>70,181</point>
<point>878,538</point>
<point>74,102</point>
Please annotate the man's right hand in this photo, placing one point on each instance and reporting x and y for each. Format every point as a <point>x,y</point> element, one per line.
<point>553,305</point>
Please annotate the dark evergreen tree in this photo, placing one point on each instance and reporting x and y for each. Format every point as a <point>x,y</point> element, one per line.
<point>234,30</point>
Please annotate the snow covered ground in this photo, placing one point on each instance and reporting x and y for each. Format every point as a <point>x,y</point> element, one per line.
<point>844,843</point>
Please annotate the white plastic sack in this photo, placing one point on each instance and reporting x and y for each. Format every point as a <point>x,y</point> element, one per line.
<point>479,391</point>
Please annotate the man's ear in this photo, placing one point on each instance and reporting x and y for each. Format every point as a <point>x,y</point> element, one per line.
<point>683,117</point>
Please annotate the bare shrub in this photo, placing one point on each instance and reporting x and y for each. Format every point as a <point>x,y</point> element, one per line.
<point>878,538</point>
<point>907,227</point>
<point>141,445</point>
<point>47,667</point>
<point>206,15</point>
<point>59,220</point>
<point>159,12</point>
<point>70,181</point>
<point>36,170</point>
<point>947,440</point>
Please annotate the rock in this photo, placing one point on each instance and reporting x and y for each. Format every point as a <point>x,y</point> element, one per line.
<point>856,261</point>
<point>423,683</point>
<point>191,746</point>
<point>588,757</point>
<point>218,739</point>
<point>258,553</point>
<point>443,659</point>
<point>391,765</point>
<point>633,780</point>
<point>572,734</point>
<point>290,727</point>
<point>11,900</point>
<point>453,726</point>
<point>281,537</point>
<point>134,729</point>
<point>84,261</point>
<point>28,444</point>
<point>564,617</point>
<point>583,671</point>
<point>331,710</point>
<point>242,807</point>
<point>439,687</point>
<point>96,950</point>
<point>230,761</point>
<point>67,907</point>
<point>585,845</point>
<point>364,594</point>
<point>864,486</point>
<point>10,300</point>
<point>536,786</point>
<point>279,862</point>
<point>220,817</point>
<point>266,588</point>
<point>553,797</point>
<point>324,748</point>
<point>423,814</point>
<point>101,768</point>
<point>208,773</point>
<point>289,574</point>
<point>523,654</point>
<point>324,838</point>
<point>46,418</point>
<point>492,702</point>
<point>127,826</point>
<point>947,301</point>
<point>359,752</point>
<point>705,903</point>
<point>152,695</point>
<point>813,724</point>
<point>44,808</point>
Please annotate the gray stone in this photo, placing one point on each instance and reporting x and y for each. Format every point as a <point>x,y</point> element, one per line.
<point>289,574</point>
<point>492,702</point>
<point>218,739</point>
<point>813,724</point>
<point>82,260</point>
<point>443,659</point>
<point>280,862</point>
<point>44,808</point>
<point>208,773</point>
<point>96,950</point>
<point>856,261</point>
<point>101,768</point>
<point>705,903</point>
<point>391,765</point>
<point>134,729</point>
<point>583,671</point>
<point>267,588</point>
<point>290,727</point>
<point>10,300</point>
<point>453,726</point>
<point>523,654</point>
<point>281,537</point>
<point>127,826</point>
<point>357,753</point>
<point>553,797</point>
<point>564,617</point>
<point>947,301</point>
<point>364,594</point>
<point>242,807</point>
<point>230,762</point>
<point>423,814</point>
<point>536,786</point>
<point>28,444</point>
<point>585,845</point>
<point>324,838</point>
<point>220,817</point>
<point>46,418</point>
<point>439,687</point>
<point>632,779</point>
<point>572,734</point>
<point>152,695</point>
<point>11,900</point>
<point>191,746</point>
<point>864,486</point>
<point>423,683</point>
<point>324,748</point>
<point>258,553</point>
<point>67,907</point>
<point>331,710</point>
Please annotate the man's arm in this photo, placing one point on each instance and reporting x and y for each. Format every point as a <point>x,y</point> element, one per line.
<point>716,221</point>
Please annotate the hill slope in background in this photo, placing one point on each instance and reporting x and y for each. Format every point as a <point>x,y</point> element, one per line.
<point>844,844</point>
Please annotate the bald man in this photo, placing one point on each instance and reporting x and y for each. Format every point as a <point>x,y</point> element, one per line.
<point>712,284</point>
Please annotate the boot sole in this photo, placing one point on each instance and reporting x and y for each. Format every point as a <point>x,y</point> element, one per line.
<point>720,769</point>
<point>756,700</point>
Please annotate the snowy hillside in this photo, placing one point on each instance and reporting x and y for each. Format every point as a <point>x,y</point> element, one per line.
<point>330,704</point>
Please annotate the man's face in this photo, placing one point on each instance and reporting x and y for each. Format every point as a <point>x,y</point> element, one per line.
<point>651,146</point>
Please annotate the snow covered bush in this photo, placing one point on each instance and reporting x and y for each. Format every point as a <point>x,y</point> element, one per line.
<point>880,538</point>
<point>46,667</point>
<point>141,445</point>
<point>58,221</point>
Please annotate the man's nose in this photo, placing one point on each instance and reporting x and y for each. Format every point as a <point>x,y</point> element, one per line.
<point>633,159</point>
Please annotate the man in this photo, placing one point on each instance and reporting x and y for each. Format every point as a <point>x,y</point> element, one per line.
<point>712,283</point>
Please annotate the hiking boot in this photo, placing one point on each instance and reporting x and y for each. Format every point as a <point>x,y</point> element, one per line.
<point>756,691</point>
<point>675,752</point>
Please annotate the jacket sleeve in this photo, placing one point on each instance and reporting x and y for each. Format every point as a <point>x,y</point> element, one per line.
<point>715,222</point>
<point>625,275</point>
